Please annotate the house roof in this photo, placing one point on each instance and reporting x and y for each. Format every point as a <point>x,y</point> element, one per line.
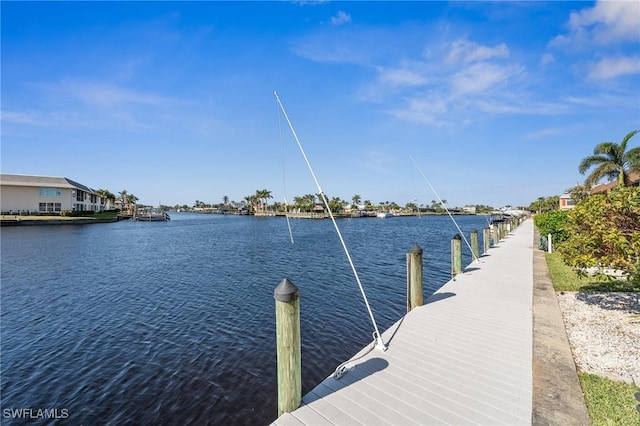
<point>33,180</point>
<point>634,178</point>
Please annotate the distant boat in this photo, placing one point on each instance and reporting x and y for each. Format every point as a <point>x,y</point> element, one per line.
<point>383,215</point>
<point>151,216</point>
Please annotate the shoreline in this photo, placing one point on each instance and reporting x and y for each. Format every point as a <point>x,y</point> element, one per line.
<point>18,220</point>
<point>52,220</point>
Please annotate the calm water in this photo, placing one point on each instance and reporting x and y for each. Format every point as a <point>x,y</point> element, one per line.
<point>173,322</point>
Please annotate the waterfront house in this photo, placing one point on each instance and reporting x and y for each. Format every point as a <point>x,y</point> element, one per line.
<point>566,202</point>
<point>605,188</point>
<point>30,194</point>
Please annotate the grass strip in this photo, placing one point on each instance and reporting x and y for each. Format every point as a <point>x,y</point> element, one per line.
<point>610,403</point>
<point>565,279</point>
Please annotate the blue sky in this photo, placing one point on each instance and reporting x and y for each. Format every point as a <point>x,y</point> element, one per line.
<point>496,103</point>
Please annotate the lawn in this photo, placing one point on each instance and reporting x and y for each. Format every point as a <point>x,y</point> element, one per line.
<point>95,216</point>
<point>565,279</point>
<point>609,402</point>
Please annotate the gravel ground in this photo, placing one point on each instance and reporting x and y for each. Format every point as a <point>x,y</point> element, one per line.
<point>604,332</point>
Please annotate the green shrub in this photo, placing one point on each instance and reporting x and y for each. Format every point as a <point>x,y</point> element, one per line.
<point>553,223</point>
<point>605,233</point>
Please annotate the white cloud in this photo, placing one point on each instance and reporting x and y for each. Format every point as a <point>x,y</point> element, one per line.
<point>19,117</point>
<point>478,78</point>
<point>465,52</point>
<point>546,59</point>
<point>427,109</point>
<point>401,77</point>
<point>59,119</point>
<point>104,94</point>
<point>341,18</point>
<point>608,21</point>
<point>334,47</point>
<point>609,68</point>
<point>605,24</point>
<point>545,133</point>
<point>76,103</point>
<point>608,31</point>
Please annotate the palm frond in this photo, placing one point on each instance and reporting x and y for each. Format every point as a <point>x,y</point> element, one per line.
<point>590,161</point>
<point>608,170</point>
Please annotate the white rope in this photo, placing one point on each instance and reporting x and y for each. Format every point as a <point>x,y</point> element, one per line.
<point>341,369</point>
<point>284,178</point>
<point>379,343</point>
<point>473,255</point>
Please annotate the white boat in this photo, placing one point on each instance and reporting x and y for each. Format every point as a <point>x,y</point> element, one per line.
<point>383,215</point>
<point>151,216</point>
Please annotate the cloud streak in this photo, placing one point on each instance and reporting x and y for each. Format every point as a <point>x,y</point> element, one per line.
<point>341,18</point>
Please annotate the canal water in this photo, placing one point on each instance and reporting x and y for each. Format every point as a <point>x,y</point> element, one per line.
<point>173,322</point>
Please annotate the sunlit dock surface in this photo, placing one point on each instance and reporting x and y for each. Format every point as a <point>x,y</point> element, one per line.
<point>464,357</point>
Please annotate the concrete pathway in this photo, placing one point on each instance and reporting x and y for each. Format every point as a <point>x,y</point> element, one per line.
<point>557,395</point>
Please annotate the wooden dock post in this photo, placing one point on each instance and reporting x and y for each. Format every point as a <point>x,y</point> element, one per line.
<point>474,244</point>
<point>456,255</point>
<point>486,239</point>
<point>414,277</point>
<point>287,298</point>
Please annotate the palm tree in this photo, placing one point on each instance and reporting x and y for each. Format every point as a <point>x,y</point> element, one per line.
<point>122,196</point>
<point>263,195</point>
<point>107,195</point>
<point>225,200</point>
<point>356,200</point>
<point>251,201</point>
<point>131,203</point>
<point>613,161</point>
<point>579,193</point>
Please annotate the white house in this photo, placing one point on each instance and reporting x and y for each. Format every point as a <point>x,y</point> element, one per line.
<point>45,194</point>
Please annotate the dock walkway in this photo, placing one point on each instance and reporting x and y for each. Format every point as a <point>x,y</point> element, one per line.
<point>464,357</point>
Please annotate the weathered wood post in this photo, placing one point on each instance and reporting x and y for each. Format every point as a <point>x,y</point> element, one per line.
<point>486,239</point>
<point>474,244</point>
<point>414,277</point>
<point>287,298</point>
<point>456,255</point>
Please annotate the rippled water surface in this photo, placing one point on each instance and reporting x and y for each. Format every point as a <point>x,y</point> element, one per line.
<point>173,322</point>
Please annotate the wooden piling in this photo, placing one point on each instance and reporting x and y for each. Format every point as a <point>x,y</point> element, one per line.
<point>486,239</point>
<point>456,255</point>
<point>414,277</point>
<point>474,244</point>
<point>287,298</point>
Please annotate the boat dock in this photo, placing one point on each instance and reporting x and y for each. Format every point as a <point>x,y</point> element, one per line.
<point>464,357</point>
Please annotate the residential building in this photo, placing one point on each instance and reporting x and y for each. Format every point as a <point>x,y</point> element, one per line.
<point>30,194</point>
<point>605,188</point>
<point>566,202</point>
<point>469,209</point>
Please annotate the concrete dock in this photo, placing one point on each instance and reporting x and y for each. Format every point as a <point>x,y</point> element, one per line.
<point>464,357</point>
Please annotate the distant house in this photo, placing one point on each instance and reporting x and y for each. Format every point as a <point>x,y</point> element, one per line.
<point>566,202</point>
<point>469,209</point>
<point>605,188</point>
<point>45,194</point>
